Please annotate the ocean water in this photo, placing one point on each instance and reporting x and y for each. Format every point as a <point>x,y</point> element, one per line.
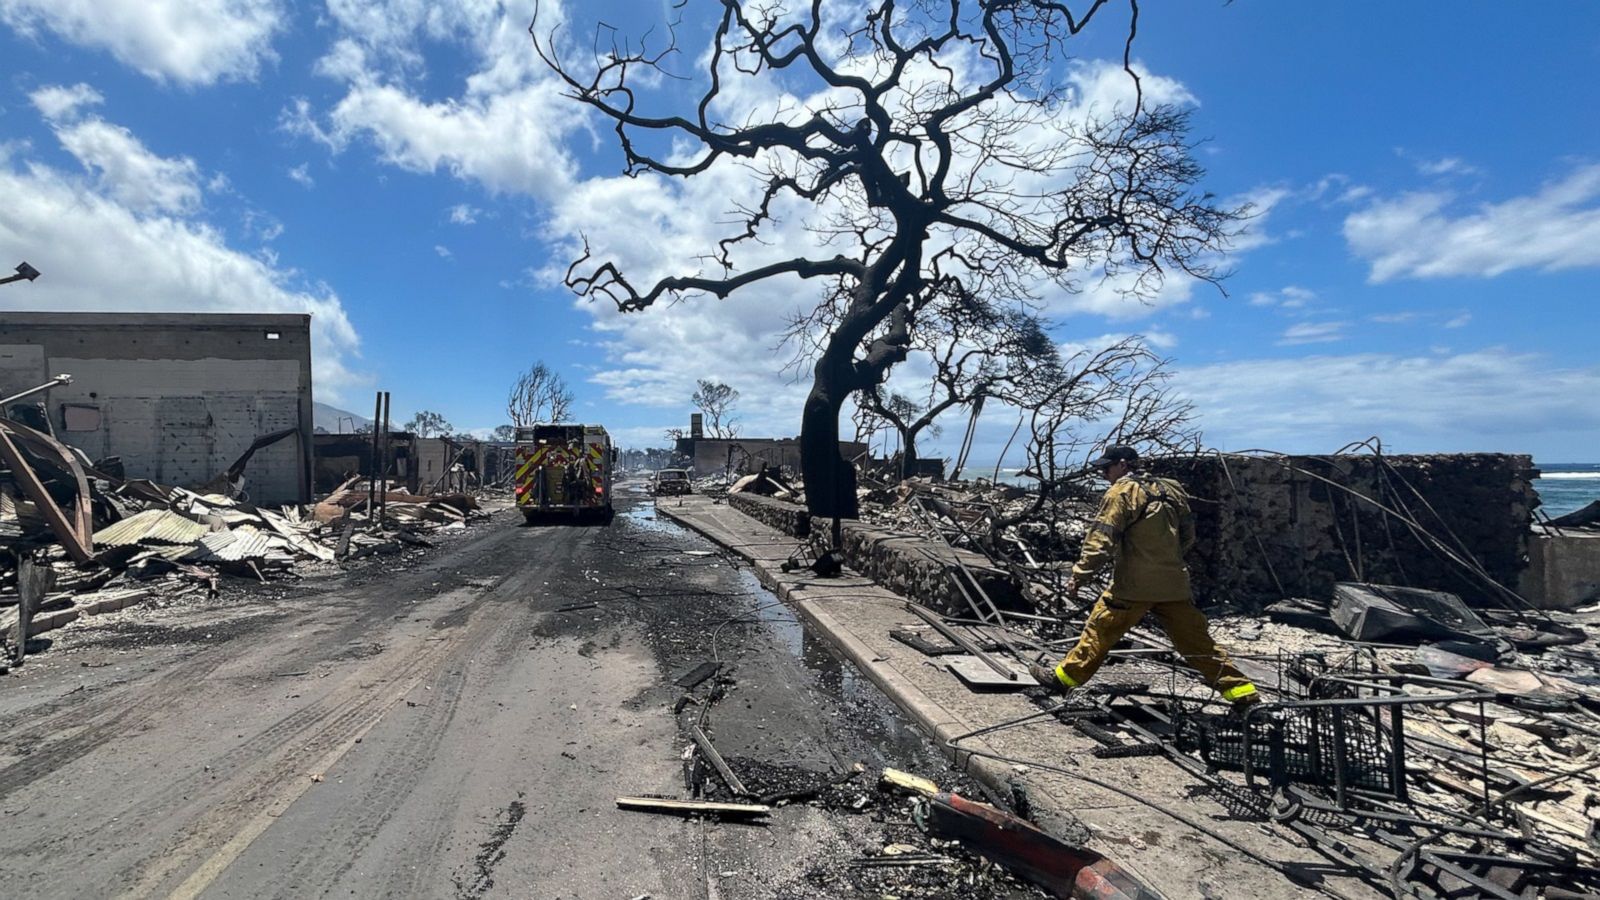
<point>1565,487</point>
<point>1562,487</point>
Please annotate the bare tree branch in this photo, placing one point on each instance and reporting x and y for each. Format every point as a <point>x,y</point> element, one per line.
<point>938,145</point>
<point>539,395</point>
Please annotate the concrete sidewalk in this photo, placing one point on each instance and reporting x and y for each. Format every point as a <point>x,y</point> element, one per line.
<point>1181,861</point>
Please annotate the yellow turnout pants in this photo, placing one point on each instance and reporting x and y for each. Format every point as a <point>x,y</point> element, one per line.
<point>1183,623</point>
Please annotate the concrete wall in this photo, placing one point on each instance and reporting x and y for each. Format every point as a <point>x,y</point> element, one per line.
<point>177,396</point>
<point>1563,568</point>
<point>710,456</point>
<point>340,456</point>
<point>434,456</point>
<point>1267,530</point>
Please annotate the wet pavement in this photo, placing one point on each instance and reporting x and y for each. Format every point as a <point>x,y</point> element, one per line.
<point>457,722</point>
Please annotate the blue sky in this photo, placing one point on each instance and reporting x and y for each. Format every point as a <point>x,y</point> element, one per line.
<point>1423,266</point>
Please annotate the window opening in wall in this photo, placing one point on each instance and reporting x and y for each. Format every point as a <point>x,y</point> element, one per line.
<point>80,417</point>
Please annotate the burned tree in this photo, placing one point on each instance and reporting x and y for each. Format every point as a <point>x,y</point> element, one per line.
<point>427,423</point>
<point>940,142</point>
<point>538,395</point>
<point>715,401</point>
<point>1092,399</point>
<point>975,346</point>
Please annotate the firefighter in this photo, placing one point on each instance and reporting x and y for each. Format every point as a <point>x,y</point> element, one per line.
<point>1143,529</point>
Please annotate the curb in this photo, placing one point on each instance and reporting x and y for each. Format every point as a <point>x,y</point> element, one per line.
<point>928,715</point>
<point>995,777</point>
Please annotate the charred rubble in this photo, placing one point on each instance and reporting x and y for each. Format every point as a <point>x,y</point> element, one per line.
<point>79,539</point>
<point>1432,729</point>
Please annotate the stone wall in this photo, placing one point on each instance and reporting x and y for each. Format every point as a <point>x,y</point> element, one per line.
<point>911,566</point>
<point>1270,527</point>
<point>789,518</point>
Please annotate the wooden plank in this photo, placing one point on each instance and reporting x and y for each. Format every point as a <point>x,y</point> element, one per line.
<point>662,804</point>
<point>65,531</point>
<point>916,784</point>
<point>721,765</point>
<point>694,676</point>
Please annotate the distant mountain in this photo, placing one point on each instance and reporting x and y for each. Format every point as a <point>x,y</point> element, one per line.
<point>336,420</point>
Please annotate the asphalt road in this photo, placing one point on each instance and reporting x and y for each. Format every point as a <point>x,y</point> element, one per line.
<point>456,723</point>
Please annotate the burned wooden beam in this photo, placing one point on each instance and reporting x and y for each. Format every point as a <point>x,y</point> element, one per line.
<point>699,673</point>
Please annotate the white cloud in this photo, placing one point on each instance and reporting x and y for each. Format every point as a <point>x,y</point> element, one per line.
<point>1261,203</point>
<point>505,129</point>
<point>301,175</point>
<point>509,143</point>
<point>1287,297</point>
<point>190,42</point>
<point>1356,194</point>
<point>442,250</point>
<point>101,247</point>
<point>653,227</point>
<point>1161,340</point>
<point>1421,235</point>
<point>123,167</point>
<point>1460,321</point>
<point>1313,333</point>
<point>1450,165</point>
<point>59,102</point>
<point>1486,400</point>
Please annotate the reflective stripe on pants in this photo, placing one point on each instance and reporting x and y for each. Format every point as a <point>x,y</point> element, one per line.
<point>1183,623</point>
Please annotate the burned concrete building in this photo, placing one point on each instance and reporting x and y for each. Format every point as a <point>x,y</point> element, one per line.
<point>734,456</point>
<point>176,398</point>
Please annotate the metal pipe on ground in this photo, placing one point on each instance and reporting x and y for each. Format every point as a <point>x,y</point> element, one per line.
<point>961,640</point>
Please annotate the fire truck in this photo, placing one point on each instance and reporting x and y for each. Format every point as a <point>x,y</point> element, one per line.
<point>564,472</point>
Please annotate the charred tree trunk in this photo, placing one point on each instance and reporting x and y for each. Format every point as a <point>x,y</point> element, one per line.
<point>908,452</point>
<point>830,479</point>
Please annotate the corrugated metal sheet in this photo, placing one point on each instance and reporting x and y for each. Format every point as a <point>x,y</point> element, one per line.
<point>174,552</point>
<point>233,546</point>
<point>153,525</point>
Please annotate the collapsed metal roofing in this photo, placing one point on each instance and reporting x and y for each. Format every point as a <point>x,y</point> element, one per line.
<point>153,525</point>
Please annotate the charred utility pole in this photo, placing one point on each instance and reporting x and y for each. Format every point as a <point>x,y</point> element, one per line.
<point>378,498</point>
<point>383,496</point>
<point>372,466</point>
